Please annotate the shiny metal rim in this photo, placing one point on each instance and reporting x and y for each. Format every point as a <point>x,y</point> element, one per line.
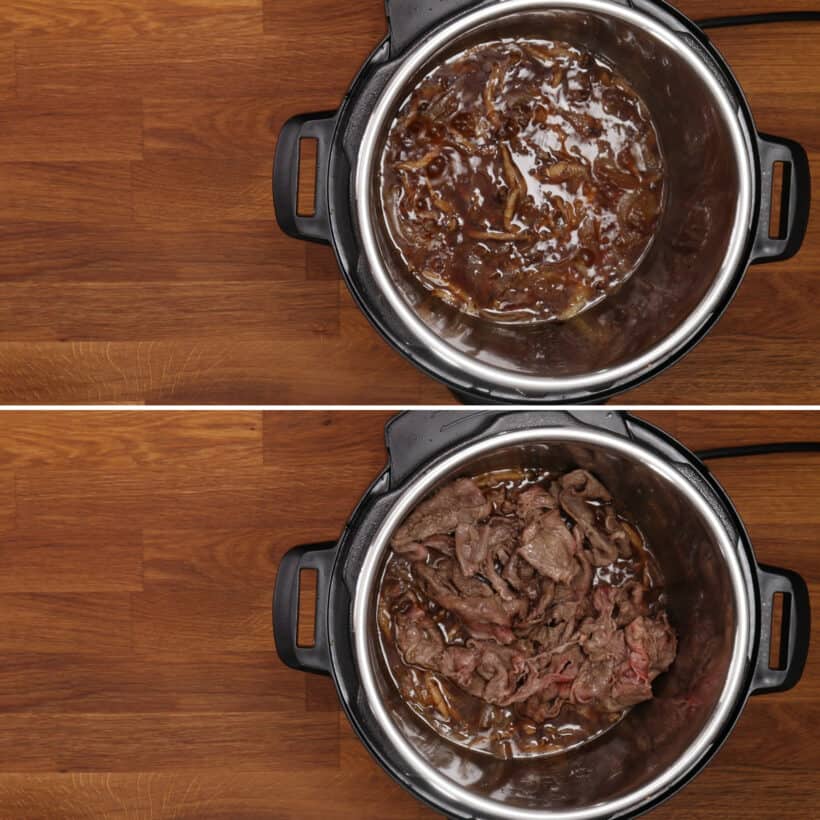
<point>365,592</point>
<point>367,167</point>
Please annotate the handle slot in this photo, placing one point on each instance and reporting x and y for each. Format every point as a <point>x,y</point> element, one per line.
<point>306,622</point>
<point>779,218</point>
<point>779,647</point>
<point>306,199</point>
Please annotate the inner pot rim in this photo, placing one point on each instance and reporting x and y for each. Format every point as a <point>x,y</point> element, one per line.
<point>369,575</point>
<point>733,262</point>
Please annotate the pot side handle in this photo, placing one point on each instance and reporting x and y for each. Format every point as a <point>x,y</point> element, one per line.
<point>319,126</point>
<point>795,199</point>
<point>795,630</point>
<point>285,607</point>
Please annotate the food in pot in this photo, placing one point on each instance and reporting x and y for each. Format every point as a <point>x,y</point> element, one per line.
<point>520,614</point>
<point>522,180</point>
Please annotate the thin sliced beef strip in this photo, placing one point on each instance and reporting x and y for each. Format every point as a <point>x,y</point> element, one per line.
<point>584,499</point>
<point>550,547</point>
<point>472,543</point>
<point>419,550</point>
<point>469,586</point>
<point>460,502</point>
<point>418,638</point>
<point>652,646</point>
<point>630,603</point>
<point>534,501</point>
<point>600,638</point>
<point>438,586</point>
<point>521,576</point>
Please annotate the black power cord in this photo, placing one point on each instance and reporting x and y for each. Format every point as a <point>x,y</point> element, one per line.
<point>757,19</point>
<point>760,449</point>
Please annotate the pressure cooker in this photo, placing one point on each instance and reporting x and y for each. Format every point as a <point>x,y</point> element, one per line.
<point>715,221</point>
<point>719,601</point>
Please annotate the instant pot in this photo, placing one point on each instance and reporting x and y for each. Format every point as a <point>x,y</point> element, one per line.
<point>719,601</point>
<point>715,220</point>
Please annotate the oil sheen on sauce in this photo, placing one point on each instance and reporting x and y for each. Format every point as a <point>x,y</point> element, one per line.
<point>468,721</point>
<point>522,180</point>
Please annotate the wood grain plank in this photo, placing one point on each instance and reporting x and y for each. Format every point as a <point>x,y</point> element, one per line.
<point>184,191</point>
<point>150,741</point>
<point>127,72</point>
<point>200,57</point>
<point>702,9</point>
<point>715,794</point>
<point>73,252</point>
<point>762,68</point>
<point>247,796</point>
<point>157,311</point>
<point>219,558</point>
<point>220,372</point>
<point>121,17</point>
<point>229,127</point>
<point>320,695</point>
<point>320,263</point>
<point>75,683</point>
<point>96,192</point>
<point>70,131</point>
<point>200,623</point>
<point>244,496</point>
<point>96,624</point>
<point>735,369</point>
<point>8,501</point>
<point>290,439</point>
<point>792,114</point>
<point>39,561</point>
<point>123,440</point>
<point>323,20</point>
<point>790,500</point>
<point>766,717</point>
<point>8,69</point>
<point>357,795</point>
<point>794,547</point>
<point>231,28</point>
<point>706,429</point>
<point>63,497</point>
<point>769,306</point>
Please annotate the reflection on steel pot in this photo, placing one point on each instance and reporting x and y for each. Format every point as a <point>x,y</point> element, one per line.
<point>715,220</point>
<point>718,600</point>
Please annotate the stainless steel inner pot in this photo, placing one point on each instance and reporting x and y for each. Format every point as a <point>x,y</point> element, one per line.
<point>658,742</point>
<point>700,245</point>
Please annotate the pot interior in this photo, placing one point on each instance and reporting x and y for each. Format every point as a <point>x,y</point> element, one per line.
<point>654,735</point>
<point>693,245</point>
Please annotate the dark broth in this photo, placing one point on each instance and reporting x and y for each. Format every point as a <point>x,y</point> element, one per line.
<point>522,180</point>
<point>469,721</point>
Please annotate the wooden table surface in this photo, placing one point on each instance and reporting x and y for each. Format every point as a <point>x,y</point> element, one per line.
<point>139,257</point>
<point>138,677</point>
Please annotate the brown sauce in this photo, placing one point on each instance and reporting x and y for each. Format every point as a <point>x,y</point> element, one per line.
<point>522,180</point>
<point>468,720</point>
